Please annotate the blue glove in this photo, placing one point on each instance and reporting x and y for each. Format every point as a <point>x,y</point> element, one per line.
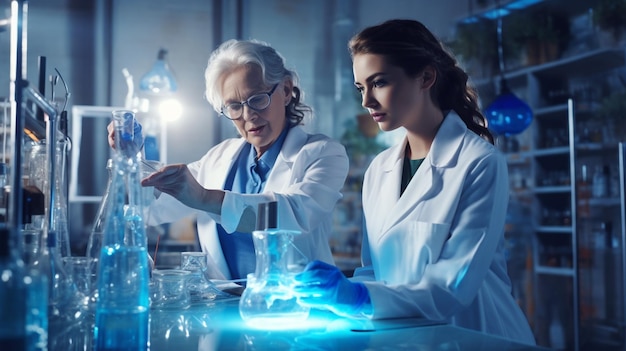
<point>132,144</point>
<point>322,285</point>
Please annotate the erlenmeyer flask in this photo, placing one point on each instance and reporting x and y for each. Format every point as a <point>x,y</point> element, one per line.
<point>268,299</point>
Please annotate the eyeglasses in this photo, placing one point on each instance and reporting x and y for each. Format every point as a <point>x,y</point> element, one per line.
<point>258,102</point>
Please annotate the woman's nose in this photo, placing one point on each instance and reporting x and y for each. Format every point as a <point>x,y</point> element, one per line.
<point>248,113</point>
<point>368,100</point>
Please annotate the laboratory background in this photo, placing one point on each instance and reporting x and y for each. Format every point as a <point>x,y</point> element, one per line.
<point>559,63</point>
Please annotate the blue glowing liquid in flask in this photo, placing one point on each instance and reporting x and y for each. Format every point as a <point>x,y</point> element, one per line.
<point>122,312</point>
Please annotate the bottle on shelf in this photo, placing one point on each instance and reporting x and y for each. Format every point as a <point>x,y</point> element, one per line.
<point>122,308</point>
<point>600,182</point>
<point>583,193</point>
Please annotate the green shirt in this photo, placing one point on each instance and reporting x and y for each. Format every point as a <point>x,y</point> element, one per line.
<point>408,171</point>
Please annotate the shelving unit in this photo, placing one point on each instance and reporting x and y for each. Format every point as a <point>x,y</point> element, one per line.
<point>545,180</point>
<point>566,247</point>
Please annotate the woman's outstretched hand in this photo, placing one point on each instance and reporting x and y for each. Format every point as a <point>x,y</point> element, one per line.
<point>177,181</point>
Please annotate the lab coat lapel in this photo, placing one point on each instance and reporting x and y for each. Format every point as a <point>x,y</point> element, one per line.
<point>218,174</point>
<point>428,180</point>
<point>401,206</point>
<point>280,173</point>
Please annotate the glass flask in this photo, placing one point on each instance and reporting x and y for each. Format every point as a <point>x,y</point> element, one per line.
<point>122,309</point>
<point>38,177</point>
<point>62,293</point>
<point>96,237</point>
<point>268,299</point>
<point>200,287</point>
<point>170,289</point>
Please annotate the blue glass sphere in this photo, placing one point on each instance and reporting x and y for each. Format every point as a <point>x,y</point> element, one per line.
<point>508,115</point>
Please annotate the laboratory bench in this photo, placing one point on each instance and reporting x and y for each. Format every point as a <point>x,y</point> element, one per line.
<point>217,325</point>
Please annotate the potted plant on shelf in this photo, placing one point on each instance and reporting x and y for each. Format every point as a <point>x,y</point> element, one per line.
<point>475,44</point>
<point>610,16</point>
<point>612,114</point>
<point>543,35</point>
<point>359,138</point>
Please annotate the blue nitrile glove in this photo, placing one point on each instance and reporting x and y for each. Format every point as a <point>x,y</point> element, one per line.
<point>138,137</point>
<point>132,144</point>
<point>322,285</point>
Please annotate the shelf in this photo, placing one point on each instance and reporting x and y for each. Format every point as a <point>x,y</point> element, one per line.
<point>549,110</point>
<point>560,150</point>
<point>567,272</point>
<point>604,202</point>
<point>552,189</point>
<point>587,63</point>
<point>519,157</point>
<point>554,230</point>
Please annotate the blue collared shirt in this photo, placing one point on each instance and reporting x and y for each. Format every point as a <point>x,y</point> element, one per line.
<point>247,176</point>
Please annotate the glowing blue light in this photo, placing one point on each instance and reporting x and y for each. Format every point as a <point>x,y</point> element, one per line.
<point>508,115</point>
<point>503,11</point>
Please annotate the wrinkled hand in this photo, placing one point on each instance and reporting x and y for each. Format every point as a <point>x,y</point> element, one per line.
<point>137,136</point>
<point>177,181</point>
<point>322,285</point>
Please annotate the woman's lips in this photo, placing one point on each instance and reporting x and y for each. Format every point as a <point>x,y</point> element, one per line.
<point>378,116</point>
<point>256,130</point>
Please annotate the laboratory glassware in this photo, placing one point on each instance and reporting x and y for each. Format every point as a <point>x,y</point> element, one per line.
<point>268,299</point>
<point>122,312</point>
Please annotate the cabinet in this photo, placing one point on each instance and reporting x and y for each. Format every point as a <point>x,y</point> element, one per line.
<point>566,215</point>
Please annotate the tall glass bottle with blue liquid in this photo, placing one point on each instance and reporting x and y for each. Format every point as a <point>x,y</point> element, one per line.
<point>123,277</point>
<point>12,295</point>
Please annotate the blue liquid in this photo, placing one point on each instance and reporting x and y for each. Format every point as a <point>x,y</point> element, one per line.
<point>122,330</point>
<point>122,315</point>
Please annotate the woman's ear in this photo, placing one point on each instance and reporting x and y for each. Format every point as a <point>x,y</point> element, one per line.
<point>429,76</point>
<point>288,90</point>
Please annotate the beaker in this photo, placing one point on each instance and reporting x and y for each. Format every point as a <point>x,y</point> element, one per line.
<point>268,300</point>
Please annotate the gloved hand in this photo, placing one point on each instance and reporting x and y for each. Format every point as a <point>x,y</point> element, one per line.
<point>322,285</point>
<point>137,140</point>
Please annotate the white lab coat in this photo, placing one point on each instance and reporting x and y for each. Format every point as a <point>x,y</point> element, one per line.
<point>437,251</point>
<point>305,181</point>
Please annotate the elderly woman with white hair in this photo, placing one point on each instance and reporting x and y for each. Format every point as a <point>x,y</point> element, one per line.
<point>274,160</point>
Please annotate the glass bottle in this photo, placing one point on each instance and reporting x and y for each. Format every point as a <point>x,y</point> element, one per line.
<point>122,309</point>
<point>61,292</point>
<point>12,295</point>
<point>600,182</point>
<point>268,299</point>
<point>584,193</point>
<point>59,221</point>
<point>96,237</point>
<point>38,177</point>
